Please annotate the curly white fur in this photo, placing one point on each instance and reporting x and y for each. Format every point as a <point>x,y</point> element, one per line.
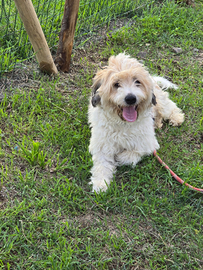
<point>122,129</point>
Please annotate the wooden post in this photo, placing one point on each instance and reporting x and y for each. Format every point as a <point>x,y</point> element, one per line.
<point>36,35</point>
<point>66,36</point>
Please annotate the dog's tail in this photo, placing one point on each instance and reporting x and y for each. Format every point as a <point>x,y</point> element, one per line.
<point>164,83</point>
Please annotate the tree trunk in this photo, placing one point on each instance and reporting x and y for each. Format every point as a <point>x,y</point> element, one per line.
<point>66,36</point>
<point>36,35</point>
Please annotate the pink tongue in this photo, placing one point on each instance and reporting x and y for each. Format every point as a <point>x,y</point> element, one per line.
<point>129,113</point>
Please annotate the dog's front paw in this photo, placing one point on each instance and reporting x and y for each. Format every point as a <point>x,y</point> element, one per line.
<point>128,158</point>
<point>98,186</point>
<point>122,158</point>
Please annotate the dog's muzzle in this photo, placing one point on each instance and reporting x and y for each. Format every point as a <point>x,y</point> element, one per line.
<point>129,112</point>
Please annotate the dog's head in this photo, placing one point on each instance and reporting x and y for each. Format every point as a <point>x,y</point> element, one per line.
<point>124,87</point>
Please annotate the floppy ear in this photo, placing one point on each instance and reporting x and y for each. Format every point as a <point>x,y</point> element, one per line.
<point>95,96</point>
<point>154,99</point>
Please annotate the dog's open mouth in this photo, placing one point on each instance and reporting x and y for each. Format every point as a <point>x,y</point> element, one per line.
<point>130,113</point>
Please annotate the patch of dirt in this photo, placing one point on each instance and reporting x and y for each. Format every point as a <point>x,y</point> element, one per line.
<point>3,196</point>
<point>108,223</point>
<point>199,58</point>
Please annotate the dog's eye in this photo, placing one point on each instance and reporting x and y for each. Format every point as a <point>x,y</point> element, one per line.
<point>137,82</point>
<point>116,85</point>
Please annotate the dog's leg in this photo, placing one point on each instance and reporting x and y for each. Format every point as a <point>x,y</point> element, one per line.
<point>128,158</point>
<point>102,171</point>
<point>166,109</point>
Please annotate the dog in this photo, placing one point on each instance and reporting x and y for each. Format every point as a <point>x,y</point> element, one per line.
<point>125,106</point>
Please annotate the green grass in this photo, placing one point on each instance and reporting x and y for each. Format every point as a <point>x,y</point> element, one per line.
<point>49,217</point>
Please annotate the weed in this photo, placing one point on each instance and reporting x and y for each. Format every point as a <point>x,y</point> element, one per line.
<point>35,156</point>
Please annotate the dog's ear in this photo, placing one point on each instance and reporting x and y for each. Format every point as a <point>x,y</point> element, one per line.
<point>154,99</point>
<point>95,96</point>
<point>96,100</point>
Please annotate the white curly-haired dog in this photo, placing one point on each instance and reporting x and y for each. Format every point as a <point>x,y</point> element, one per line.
<point>126,103</point>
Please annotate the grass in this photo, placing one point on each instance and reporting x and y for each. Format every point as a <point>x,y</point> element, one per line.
<point>49,217</point>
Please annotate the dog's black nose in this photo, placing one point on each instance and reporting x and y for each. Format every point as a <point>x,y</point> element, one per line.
<point>130,99</point>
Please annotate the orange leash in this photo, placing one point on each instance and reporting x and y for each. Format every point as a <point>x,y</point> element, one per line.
<point>174,175</point>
